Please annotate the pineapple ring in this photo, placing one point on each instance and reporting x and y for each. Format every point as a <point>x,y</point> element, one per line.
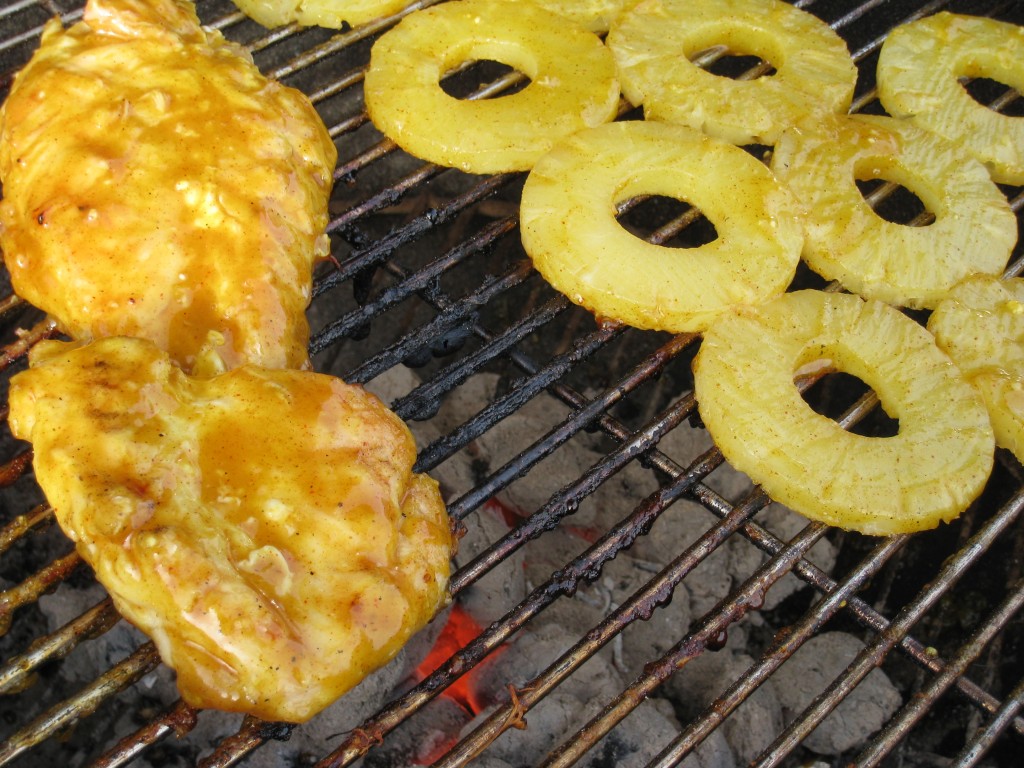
<point>981,326</point>
<point>595,15</point>
<point>573,84</point>
<point>318,13</point>
<point>570,231</point>
<point>653,40</point>
<point>930,471</point>
<point>918,77</point>
<point>974,229</point>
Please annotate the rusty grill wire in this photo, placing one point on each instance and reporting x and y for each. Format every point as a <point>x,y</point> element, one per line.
<point>408,238</point>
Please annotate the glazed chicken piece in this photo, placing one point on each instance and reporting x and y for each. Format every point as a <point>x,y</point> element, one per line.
<point>157,185</point>
<point>262,526</point>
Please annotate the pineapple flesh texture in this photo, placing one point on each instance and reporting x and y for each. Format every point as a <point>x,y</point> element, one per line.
<point>930,471</point>
<point>570,230</point>
<point>331,14</point>
<point>572,86</point>
<point>654,41</point>
<point>919,78</point>
<point>595,15</point>
<point>981,326</point>
<point>974,229</point>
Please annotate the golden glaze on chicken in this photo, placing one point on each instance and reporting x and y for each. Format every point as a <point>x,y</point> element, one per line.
<point>263,526</point>
<point>157,185</point>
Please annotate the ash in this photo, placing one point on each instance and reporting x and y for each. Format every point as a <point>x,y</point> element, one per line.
<point>655,723</point>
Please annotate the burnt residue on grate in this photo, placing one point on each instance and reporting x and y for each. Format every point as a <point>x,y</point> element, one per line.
<point>622,596</point>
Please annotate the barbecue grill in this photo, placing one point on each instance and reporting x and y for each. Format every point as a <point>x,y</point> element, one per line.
<point>429,295</point>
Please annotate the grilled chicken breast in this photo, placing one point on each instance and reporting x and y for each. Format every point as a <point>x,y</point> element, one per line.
<point>157,185</point>
<point>262,526</point>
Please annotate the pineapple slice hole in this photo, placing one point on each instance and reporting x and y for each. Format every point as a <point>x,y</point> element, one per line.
<point>569,227</point>
<point>890,193</point>
<point>572,84</point>
<point>809,66</point>
<point>836,392</point>
<point>477,78</point>
<point>935,465</point>
<point>666,221</point>
<point>919,74</point>
<point>988,93</point>
<point>973,231</point>
<point>737,66</point>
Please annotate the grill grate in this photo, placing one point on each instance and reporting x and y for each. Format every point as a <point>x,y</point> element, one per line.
<point>430,276</point>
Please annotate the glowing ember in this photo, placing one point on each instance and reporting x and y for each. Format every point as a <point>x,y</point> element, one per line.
<point>460,630</point>
<point>512,517</point>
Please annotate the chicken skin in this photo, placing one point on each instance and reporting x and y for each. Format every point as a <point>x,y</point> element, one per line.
<point>157,185</point>
<point>262,526</point>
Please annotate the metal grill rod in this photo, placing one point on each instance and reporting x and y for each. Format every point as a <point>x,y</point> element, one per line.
<point>18,348</point>
<point>983,740</point>
<point>897,728</point>
<point>640,604</point>
<point>9,472</point>
<point>144,659</point>
<point>250,735</point>
<point>749,595</point>
<point>381,249</point>
<point>31,588</point>
<point>567,500</point>
<point>443,324</point>
<point>420,280</point>
<point>40,516</point>
<point>875,44</point>
<point>10,303</point>
<point>564,581</point>
<point>785,644</point>
<point>16,6</point>
<point>34,33</point>
<point>425,399</point>
<point>524,391</point>
<point>657,672</point>
<point>341,41</point>
<point>581,418</point>
<point>179,720</point>
<point>95,621</point>
<point>870,657</point>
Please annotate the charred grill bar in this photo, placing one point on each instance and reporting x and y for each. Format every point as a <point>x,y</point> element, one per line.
<point>430,276</point>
